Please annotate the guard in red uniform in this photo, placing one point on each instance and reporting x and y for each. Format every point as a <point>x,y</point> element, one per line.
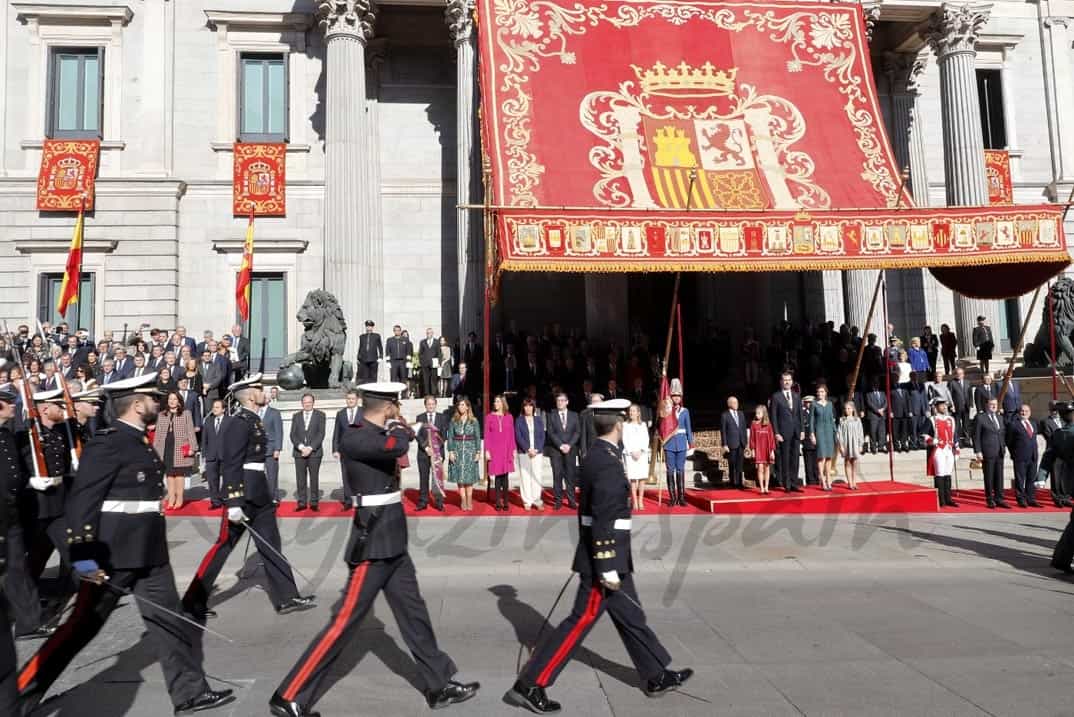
<point>942,451</point>
<point>604,563</point>
<point>378,560</point>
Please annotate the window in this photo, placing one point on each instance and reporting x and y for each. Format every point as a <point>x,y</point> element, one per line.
<point>79,315</point>
<point>76,89</point>
<point>268,319</point>
<point>990,97</point>
<point>263,100</point>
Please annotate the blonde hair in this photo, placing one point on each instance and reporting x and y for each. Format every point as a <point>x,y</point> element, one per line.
<point>764,414</point>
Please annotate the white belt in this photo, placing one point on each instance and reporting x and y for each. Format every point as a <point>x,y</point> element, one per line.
<point>681,430</point>
<point>372,501</point>
<point>131,507</point>
<point>620,523</point>
<point>253,467</point>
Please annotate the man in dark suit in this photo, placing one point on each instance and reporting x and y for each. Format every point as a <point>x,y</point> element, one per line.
<point>212,376</point>
<point>988,442</point>
<point>1057,482</point>
<point>426,454</point>
<point>124,363</point>
<point>191,402</point>
<point>307,437</point>
<point>108,372</point>
<point>185,340</point>
<point>735,437</point>
<point>984,393</point>
<point>242,348</point>
<point>207,337</point>
<point>156,359</point>
<point>785,413</point>
<point>919,409</point>
<point>49,382</point>
<point>876,417</point>
<point>140,368</point>
<point>370,352</point>
<point>66,367</point>
<point>215,423</point>
<point>1012,400</point>
<point>472,352</point>
<point>960,403</point>
<point>564,432</point>
<point>346,418</point>
<point>1022,442</point>
<point>901,421</point>
<point>399,349</point>
<point>76,351</point>
<point>429,356</point>
<point>272,422</point>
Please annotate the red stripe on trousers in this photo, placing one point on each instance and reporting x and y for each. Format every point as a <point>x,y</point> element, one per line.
<point>216,547</point>
<point>330,637</point>
<point>587,618</point>
<point>84,602</point>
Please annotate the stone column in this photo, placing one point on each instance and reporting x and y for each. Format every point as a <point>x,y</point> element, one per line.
<point>459,17</point>
<point>952,33</point>
<point>858,287</point>
<point>353,266</point>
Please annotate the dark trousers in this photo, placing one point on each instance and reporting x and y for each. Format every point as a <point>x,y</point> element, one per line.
<point>20,587</point>
<point>272,475</point>
<point>174,642</point>
<point>308,468</point>
<point>281,583</point>
<point>734,467</point>
<point>962,426</point>
<point>348,494</point>
<point>47,535</point>
<point>563,474</point>
<point>367,371</point>
<point>809,457</point>
<point>212,478</point>
<point>787,462</point>
<point>397,578</point>
<point>878,434</point>
<point>398,370</point>
<point>552,655</point>
<point>1025,476</point>
<point>500,489</point>
<point>1060,488</point>
<point>949,363</point>
<point>429,381</point>
<point>9,691</point>
<point>1063,554</point>
<point>425,471</point>
<point>993,478</point>
<point>901,427</point>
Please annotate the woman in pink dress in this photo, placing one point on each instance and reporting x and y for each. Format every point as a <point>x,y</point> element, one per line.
<point>500,449</point>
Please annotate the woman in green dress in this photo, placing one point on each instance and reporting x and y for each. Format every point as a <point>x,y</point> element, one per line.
<point>824,435</point>
<point>464,452</point>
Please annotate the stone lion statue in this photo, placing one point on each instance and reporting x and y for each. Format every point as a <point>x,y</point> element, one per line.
<point>321,351</point>
<point>1036,353</point>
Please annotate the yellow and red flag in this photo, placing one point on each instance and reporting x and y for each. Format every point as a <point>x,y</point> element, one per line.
<point>242,282</point>
<point>73,272</point>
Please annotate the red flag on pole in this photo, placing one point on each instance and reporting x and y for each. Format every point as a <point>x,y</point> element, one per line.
<point>72,272</point>
<point>242,282</point>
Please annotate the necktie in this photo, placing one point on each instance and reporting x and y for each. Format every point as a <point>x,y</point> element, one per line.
<point>218,424</point>
<point>994,421</point>
<point>1029,429</point>
<point>429,420</point>
<point>787,395</point>
<point>563,418</point>
<point>350,416</point>
<point>734,414</point>
<point>306,419</point>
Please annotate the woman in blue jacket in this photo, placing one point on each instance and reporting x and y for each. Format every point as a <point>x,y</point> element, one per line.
<point>529,437</point>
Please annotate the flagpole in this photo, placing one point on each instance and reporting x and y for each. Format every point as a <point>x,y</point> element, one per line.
<point>250,303</point>
<point>78,279</point>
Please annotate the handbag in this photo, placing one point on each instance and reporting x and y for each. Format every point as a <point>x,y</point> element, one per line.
<point>747,453</point>
<point>186,451</point>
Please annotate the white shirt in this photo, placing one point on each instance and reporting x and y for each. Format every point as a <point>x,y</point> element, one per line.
<point>306,419</point>
<point>350,416</point>
<point>529,427</point>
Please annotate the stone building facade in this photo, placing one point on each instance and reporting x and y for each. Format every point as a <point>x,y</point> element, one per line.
<point>378,108</point>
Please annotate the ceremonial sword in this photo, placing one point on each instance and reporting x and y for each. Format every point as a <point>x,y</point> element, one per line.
<point>277,553</point>
<point>129,593</point>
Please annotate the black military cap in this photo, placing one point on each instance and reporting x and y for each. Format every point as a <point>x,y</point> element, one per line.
<point>1065,406</point>
<point>7,396</point>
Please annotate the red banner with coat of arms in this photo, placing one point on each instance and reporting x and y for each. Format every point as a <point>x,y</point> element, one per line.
<point>998,174</point>
<point>708,136</point>
<point>260,179</point>
<point>68,175</point>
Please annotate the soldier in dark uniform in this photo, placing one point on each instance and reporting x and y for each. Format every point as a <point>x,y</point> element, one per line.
<point>378,560</point>
<point>604,563</point>
<point>50,491</point>
<point>87,403</point>
<point>249,502</point>
<point>1058,458</point>
<point>1060,489</point>
<point>12,476</point>
<point>117,535</point>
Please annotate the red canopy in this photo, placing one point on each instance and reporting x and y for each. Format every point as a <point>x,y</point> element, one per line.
<point>714,136</point>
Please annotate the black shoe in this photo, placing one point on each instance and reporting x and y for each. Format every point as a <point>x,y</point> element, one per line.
<point>572,505</point>
<point>439,505</point>
<point>1003,504</point>
<point>207,700</point>
<point>990,503</point>
<point>315,508</point>
<point>555,506</point>
<point>533,699</point>
<point>38,634</point>
<point>200,614</point>
<point>452,693</point>
<point>215,505</point>
<point>296,604</point>
<point>300,506</point>
<point>282,708</point>
<point>421,506</point>
<point>345,505</point>
<point>1021,502</point>
<point>1064,568</point>
<point>670,680</point>
<point>1032,503</point>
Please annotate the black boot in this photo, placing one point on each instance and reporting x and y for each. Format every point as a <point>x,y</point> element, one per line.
<point>682,488</point>
<point>673,485</point>
<point>532,698</point>
<point>937,483</point>
<point>948,500</point>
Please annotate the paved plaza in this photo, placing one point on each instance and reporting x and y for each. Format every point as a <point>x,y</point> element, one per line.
<point>778,615</point>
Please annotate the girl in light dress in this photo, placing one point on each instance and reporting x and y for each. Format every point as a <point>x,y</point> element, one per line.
<point>636,450</point>
<point>849,442</point>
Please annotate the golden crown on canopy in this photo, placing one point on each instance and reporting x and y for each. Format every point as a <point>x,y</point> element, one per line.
<point>684,80</point>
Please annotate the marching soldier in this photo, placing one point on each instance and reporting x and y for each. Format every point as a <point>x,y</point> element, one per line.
<point>1059,458</point>
<point>87,403</point>
<point>117,535</point>
<point>12,476</point>
<point>604,563</point>
<point>249,503</point>
<point>378,560</point>
<point>942,450</point>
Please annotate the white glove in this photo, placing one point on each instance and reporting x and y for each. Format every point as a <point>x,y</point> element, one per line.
<point>235,515</point>
<point>40,483</point>
<point>610,580</point>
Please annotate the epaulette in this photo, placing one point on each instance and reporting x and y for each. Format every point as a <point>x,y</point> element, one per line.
<point>104,431</point>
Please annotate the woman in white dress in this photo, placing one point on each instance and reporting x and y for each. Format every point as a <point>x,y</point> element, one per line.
<point>636,454</point>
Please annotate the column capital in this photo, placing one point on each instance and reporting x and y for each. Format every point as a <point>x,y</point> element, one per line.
<point>904,71</point>
<point>1057,21</point>
<point>871,11</point>
<point>459,16</point>
<point>955,27</point>
<point>347,18</point>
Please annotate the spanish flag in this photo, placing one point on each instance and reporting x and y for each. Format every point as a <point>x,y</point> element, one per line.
<point>73,271</point>
<point>242,283</point>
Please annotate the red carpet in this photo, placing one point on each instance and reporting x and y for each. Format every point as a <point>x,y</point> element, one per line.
<point>870,498</point>
<point>973,501</point>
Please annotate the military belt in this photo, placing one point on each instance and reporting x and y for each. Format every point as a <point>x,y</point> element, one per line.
<point>253,467</point>
<point>372,501</point>
<point>131,507</point>
<point>619,524</point>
